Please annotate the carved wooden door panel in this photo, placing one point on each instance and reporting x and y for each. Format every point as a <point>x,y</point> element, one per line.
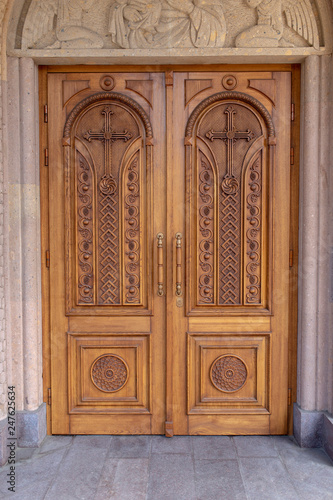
<point>186,333</point>
<point>106,205</point>
<point>230,311</point>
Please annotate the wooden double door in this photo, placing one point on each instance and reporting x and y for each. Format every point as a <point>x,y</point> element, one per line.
<point>169,251</point>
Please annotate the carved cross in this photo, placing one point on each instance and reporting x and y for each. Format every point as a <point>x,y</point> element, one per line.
<point>230,135</point>
<point>108,136</point>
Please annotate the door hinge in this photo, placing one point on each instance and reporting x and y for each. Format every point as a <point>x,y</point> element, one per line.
<point>292,112</point>
<point>292,156</point>
<point>291,258</point>
<point>289,397</point>
<point>46,114</point>
<point>49,396</point>
<point>47,258</point>
<point>46,157</point>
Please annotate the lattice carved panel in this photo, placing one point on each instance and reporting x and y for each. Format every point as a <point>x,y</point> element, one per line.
<point>107,199</point>
<point>230,188</point>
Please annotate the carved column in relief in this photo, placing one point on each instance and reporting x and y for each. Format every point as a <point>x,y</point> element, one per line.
<point>85,231</point>
<point>253,233</point>
<point>132,232</point>
<point>206,231</point>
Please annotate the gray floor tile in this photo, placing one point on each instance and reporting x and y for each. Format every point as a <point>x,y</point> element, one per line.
<point>52,443</point>
<point>24,453</point>
<point>311,471</point>
<point>33,476</point>
<point>171,477</point>
<point>78,475</point>
<point>177,444</point>
<point>129,447</point>
<point>105,484</point>
<point>127,480</point>
<point>255,446</point>
<point>218,479</point>
<point>213,447</point>
<point>92,442</point>
<point>266,479</point>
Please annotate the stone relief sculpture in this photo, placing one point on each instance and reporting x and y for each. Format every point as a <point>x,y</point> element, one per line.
<point>59,25</point>
<point>167,23</point>
<point>158,24</point>
<point>270,32</point>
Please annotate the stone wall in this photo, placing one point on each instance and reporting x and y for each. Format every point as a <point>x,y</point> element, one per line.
<point>3,373</point>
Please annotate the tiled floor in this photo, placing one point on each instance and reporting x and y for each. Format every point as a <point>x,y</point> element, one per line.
<point>158,468</point>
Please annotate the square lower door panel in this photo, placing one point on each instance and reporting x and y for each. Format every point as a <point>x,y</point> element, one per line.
<point>108,373</point>
<point>228,373</point>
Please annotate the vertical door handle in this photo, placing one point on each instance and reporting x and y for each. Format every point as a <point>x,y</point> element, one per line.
<point>160,273</point>
<point>179,291</point>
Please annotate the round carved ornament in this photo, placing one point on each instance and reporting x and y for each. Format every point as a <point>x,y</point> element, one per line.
<point>229,82</point>
<point>228,373</point>
<point>107,82</point>
<point>109,373</point>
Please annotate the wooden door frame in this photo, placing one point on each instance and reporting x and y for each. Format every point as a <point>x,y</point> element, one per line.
<point>294,205</point>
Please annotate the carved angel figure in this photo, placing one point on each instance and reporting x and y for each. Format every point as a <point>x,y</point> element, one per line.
<point>58,24</point>
<point>269,31</point>
<point>167,23</point>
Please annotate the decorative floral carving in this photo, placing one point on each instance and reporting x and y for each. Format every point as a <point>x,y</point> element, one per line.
<point>132,234</point>
<point>206,228</point>
<point>253,234</point>
<point>85,234</point>
<point>109,373</point>
<point>228,373</point>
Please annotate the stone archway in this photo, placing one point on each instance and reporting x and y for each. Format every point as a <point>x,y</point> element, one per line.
<point>217,39</point>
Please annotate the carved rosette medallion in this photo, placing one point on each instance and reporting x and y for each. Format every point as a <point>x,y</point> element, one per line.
<point>229,82</point>
<point>228,373</point>
<point>108,185</point>
<point>107,82</point>
<point>109,373</point>
<point>230,184</point>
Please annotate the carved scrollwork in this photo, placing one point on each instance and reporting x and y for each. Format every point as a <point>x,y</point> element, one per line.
<point>253,234</point>
<point>109,373</point>
<point>132,233</point>
<point>206,228</point>
<point>228,373</point>
<point>85,232</point>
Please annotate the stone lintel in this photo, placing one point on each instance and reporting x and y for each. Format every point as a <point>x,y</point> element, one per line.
<point>31,427</point>
<point>313,429</point>
<point>170,56</point>
<point>3,441</point>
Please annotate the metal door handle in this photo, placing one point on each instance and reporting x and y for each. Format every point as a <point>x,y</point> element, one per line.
<point>160,273</point>
<point>179,291</point>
